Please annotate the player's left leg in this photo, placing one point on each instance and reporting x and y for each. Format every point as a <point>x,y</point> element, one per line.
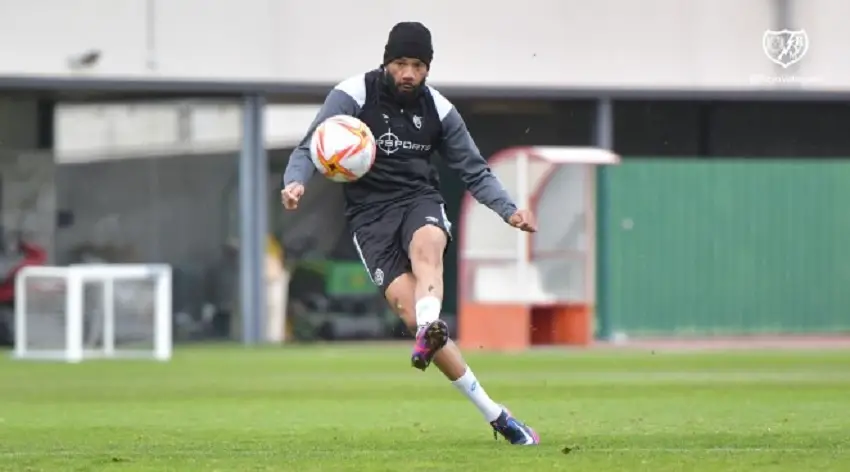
<point>425,251</point>
<point>400,295</point>
<point>425,234</point>
<point>429,233</point>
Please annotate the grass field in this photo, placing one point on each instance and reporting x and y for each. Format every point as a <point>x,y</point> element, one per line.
<point>364,409</point>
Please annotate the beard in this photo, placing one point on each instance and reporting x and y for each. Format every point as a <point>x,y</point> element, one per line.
<point>404,95</point>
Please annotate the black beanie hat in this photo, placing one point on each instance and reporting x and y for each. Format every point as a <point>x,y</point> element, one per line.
<point>409,39</point>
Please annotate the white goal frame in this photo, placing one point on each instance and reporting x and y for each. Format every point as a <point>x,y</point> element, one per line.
<point>75,277</point>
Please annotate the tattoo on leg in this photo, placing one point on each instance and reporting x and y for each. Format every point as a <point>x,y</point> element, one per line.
<point>430,288</point>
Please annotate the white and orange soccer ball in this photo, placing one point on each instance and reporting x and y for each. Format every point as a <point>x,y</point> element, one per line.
<point>343,148</point>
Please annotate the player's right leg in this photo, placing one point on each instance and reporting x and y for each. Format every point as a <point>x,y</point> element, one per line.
<point>400,293</point>
<point>388,265</point>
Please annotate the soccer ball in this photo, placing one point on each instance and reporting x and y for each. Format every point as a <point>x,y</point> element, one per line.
<point>343,148</point>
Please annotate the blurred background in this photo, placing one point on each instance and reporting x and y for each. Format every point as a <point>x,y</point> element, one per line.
<point>155,131</point>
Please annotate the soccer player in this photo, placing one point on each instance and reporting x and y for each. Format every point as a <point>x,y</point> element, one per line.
<point>395,212</point>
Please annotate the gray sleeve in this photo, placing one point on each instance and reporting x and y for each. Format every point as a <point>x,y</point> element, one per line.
<point>461,154</point>
<point>300,167</point>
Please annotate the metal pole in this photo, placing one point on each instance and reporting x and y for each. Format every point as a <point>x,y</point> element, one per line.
<point>150,35</point>
<point>604,129</point>
<point>783,12</point>
<point>782,15</point>
<point>261,169</point>
<point>251,230</point>
<point>603,138</point>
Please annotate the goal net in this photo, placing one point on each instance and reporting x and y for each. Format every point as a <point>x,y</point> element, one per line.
<point>92,311</point>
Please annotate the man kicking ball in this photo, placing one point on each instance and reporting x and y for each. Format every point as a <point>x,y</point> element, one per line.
<point>395,212</point>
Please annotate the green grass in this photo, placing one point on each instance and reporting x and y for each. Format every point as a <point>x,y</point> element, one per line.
<point>364,409</point>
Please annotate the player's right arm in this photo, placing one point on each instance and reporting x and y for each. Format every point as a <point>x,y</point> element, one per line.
<point>346,98</point>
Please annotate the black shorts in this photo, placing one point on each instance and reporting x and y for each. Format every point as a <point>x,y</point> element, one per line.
<point>383,244</point>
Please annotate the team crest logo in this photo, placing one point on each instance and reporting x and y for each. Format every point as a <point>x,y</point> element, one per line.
<point>785,47</point>
<point>379,277</point>
<point>417,121</point>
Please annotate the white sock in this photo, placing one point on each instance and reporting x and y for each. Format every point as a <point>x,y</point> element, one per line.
<point>468,385</point>
<point>427,310</point>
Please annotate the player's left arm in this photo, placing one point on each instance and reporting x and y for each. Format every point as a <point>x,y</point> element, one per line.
<point>461,154</point>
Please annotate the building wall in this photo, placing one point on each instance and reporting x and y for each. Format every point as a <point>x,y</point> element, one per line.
<point>652,43</point>
<point>93,132</point>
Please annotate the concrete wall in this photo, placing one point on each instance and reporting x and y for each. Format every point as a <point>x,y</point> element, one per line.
<point>651,43</point>
<point>89,133</point>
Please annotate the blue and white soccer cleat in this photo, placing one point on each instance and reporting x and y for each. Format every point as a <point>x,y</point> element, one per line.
<point>513,430</point>
<point>429,340</point>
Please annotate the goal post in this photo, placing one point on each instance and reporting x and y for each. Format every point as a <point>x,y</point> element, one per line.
<point>93,311</point>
